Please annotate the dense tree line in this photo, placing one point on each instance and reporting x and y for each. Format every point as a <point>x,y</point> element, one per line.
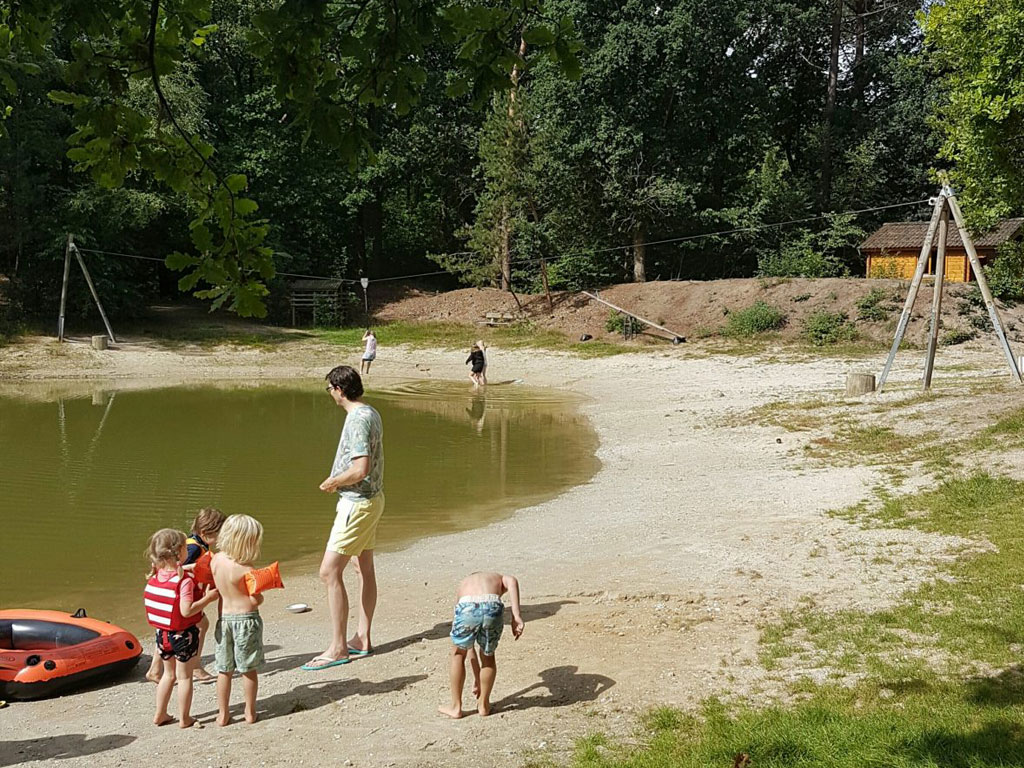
<point>510,143</point>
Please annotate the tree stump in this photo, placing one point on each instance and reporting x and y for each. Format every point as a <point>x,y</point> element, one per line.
<point>860,383</point>
<point>99,342</point>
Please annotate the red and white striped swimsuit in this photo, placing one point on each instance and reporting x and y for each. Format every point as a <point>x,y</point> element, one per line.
<point>162,598</point>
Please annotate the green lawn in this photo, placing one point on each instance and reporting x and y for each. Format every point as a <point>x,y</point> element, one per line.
<point>455,336</point>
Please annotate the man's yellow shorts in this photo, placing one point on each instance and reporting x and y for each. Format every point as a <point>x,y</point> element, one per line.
<point>355,526</point>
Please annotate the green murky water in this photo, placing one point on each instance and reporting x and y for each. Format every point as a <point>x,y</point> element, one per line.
<point>84,480</point>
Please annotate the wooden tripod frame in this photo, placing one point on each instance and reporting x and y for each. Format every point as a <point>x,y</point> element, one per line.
<point>944,205</point>
<point>72,248</point>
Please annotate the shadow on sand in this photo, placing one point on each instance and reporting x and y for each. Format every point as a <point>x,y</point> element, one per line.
<point>565,686</point>
<point>314,695</point>
<point>59,747</point>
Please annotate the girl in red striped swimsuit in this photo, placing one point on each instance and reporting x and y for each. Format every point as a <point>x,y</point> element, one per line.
<point>173,611</point>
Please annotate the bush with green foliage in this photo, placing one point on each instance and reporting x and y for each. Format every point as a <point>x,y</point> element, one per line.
<point>869,306</point>
<point>759,317</point>
<point>823,328</point>
<point>616,322</point>
<point>956,336</point>
<point>1006,274</point>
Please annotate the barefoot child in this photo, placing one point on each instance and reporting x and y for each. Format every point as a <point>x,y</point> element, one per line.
<point>479,619</point>
<point>205,528</point>
<point>172,609</point>
<point>476,357</point>
<point>239,630</point>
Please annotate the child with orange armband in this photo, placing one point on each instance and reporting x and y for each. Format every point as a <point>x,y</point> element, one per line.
<point>239,630</point>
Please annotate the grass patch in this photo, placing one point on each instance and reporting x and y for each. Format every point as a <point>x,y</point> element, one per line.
<point>953,726</point>
<point>759,317</point>
<point>523,335</point>
<point>864,443</point>
<point>796,416</point>
<point>940,683</point>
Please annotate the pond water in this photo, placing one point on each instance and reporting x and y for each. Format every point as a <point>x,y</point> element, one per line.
<point>85,480</point>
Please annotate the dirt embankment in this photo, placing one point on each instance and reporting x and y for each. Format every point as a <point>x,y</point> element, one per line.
<point>697,309</point>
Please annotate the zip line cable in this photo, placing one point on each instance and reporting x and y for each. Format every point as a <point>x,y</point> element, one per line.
<point>721,233</point>
<point>682,239</point>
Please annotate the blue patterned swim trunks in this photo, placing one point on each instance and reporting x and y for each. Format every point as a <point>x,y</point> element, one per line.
<point>479,619</point>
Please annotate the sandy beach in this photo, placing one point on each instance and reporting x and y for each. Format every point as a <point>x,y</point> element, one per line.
<point>646,586</point>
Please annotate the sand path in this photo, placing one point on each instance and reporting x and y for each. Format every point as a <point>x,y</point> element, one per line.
<point>645,586</point>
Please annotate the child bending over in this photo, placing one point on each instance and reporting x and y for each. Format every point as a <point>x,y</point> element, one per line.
<point>172,607</point>
<point>239,630</point>
<point>479,620</point>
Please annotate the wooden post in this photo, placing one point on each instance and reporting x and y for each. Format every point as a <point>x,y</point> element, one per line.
<point>979,275</point>
<point>64,286</point>
<point>99,343</point>
<point>940,273</point>
<point>547,289</point>
<point>95,296</point>
<point>915,285</point>
<point>859,383</point>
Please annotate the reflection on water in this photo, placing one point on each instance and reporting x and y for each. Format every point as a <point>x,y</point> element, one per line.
<point>84,480</point>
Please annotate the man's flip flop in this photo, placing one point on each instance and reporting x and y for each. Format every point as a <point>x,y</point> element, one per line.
<point>312,666</point>
<point>358,652</point>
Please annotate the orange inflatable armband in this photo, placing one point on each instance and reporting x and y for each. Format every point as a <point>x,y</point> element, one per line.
<point>202,572</point>
<point>260,579</point>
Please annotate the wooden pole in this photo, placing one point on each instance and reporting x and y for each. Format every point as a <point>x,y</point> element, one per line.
<point>547,289</point>
<point>64,286</point>
<point>915,285</point>
<point>979,275</point>
<point>940,273</point>
<point>95,296</point>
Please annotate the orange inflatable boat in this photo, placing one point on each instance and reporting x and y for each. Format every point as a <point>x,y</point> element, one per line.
<point>46,653</point>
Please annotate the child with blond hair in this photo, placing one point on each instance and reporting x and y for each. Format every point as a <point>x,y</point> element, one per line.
<point>173,609</point>
<point>239,630</point>
<point>205,527</point>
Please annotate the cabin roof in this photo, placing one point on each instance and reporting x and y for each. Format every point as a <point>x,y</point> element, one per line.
<point>909,236</point>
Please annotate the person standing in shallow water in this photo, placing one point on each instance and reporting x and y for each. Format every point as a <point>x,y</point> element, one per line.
<point>357,476</point>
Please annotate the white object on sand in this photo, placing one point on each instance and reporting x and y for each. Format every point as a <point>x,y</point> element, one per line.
<point>297,608</point>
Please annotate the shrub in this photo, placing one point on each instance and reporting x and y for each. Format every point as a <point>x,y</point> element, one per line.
<point>616,322</point>
<point>802,297</point>
<point>759,317</point>
<point>824,328</point>
<point>869,306</point>
<point>1006,275</point>
<point>956,336</point>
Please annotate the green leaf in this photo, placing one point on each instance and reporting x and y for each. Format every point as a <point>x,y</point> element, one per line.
<point>538,35</point>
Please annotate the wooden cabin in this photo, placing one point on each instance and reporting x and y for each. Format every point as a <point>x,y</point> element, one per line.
<point>892,251</point>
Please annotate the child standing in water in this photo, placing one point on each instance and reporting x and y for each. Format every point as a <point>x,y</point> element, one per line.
<point>205,528</point>
<point>172,608</point>
<point>476,357</point>
<point>478,621</point>
<point>239,630</point>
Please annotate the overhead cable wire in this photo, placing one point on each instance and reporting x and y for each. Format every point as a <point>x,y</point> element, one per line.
<point>681,239</point>
<point>722,233</point>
